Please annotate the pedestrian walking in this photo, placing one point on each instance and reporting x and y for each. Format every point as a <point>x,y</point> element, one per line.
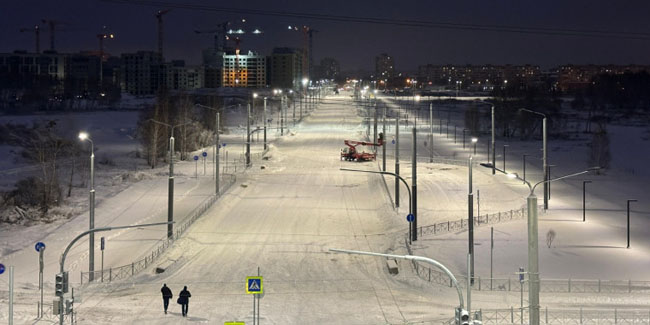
<point>184,300</point>
<point>166,295</point>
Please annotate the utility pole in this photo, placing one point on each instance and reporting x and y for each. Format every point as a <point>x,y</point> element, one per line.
<point>414,191</point>
<point>374,140</point>
<point>217,157</point>
<point>159,16</point>
<point>628,221</point>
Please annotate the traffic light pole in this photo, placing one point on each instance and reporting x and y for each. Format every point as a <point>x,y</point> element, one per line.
<point>91,231</point>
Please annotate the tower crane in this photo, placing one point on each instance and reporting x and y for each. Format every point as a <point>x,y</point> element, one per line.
<point>37,31</point>
<point>159,16</point>
<point>219,35</point>
<point>308,48</point>
<point>51,24</point>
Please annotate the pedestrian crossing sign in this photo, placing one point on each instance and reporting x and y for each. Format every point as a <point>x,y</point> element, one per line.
<point>254,285</point>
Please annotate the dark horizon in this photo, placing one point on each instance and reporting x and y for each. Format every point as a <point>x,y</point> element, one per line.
<point>354,45</point>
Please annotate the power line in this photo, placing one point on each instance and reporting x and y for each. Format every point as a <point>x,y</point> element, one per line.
<point>398,22</point>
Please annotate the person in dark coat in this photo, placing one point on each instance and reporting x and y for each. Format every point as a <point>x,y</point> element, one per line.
<point>184,300</point>
<point>166,295</point>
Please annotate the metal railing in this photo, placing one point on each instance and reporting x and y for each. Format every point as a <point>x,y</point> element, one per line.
<point>513,315</point>
<point>125,271</point>
<point>462,223</point>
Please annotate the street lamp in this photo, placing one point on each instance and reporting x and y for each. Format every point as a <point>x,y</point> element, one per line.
<point>170,186</point>
<point>474,141</point>
<point>83,136</point>
<point>533,249</point>
<point>493,135</point>
<point>545,157</point>
<point>216,144</point>
<point>398,177</point>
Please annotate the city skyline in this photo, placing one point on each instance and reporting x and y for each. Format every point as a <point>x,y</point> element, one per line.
<point>355,45</point>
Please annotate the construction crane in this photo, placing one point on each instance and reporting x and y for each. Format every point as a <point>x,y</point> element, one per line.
<point>219,35</point>
<point>231,35</point>
<point>351,153</point>
<point>159,16</point>
<point>51,24</point>
<point>308,49</point>
<point>37,31</point>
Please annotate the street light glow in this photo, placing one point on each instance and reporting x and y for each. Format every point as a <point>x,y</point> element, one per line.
<point>474,140</point>
<point>83,135</point>
<point>304,81</point>
<point>254,95</point>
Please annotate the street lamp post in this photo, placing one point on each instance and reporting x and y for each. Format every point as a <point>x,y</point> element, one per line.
<point>493,137</point>
<point>504,157</point>
<point>92,231</point>
<point>170,197</point>
<point>533,244</point>
<point>414,183</point>
<point>545,157</point>
<point>474,141</point>
<point>265,123</point>
<point>525,155</point>
<point>628,221</point>
<point>470,224</point>
<point>584,200</point>
<point>431,132</point>
<point>397,177</point>
<point>83,136</point>
<point>248,136</point>
<point>397,160</point>
<point>217,127</point>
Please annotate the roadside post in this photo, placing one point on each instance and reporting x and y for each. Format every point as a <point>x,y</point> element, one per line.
<point>255,287</point>
<point>102,246</point>
<point>204,155</point>
<point>196,166</point>
<point>40,248</point>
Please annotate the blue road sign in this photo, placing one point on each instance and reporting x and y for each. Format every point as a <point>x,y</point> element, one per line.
<point>410,217</point>
<point>196,157</point>
<point>204,154</point>
<point>393,141</point>
<point>103,242</point>
<point>224,144</point>
<point>219,146</point>
<point>39,246</point>
<point>521,274</point>
<point>2,268</point>
<point>254,285</point>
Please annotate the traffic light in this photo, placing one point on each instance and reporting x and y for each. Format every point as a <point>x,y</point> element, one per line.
<point>61,284</point>
<point>58,285</point>
<point>462,317</point>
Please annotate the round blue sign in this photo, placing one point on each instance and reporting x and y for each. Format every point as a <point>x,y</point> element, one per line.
<point>393,141</point>
<point>219,146</point>
<point>196,157</point>
<point>204,154</point>
<point>410,217</point>
<point>39,246</point>
<point>224,144</point>
<point>2,268</point>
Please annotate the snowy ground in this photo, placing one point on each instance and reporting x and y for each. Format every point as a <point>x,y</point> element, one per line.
<point>285,217</point>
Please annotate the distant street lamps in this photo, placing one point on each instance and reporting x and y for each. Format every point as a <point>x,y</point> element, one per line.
<point>83,136</point>
<point>170,198</point>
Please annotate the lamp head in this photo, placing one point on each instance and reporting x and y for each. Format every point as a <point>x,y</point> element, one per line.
<point>83,136</point>
<point>474,140</point>
<point>254,95</point>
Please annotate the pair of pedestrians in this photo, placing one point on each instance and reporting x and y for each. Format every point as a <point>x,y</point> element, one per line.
<point>183,298</point>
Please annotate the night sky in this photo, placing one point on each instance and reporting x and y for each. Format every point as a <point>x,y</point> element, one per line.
<point>353,44</point>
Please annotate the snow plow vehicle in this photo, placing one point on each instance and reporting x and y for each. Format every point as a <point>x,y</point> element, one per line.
<point>351,153</point>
